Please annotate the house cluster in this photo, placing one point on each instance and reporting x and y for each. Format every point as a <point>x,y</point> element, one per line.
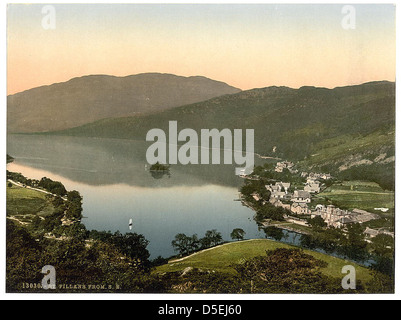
<point>312,184</point>
<point>371,233</point>
<point>338,218</point>
<point>296,202</point>
<point>280,190</point>
<point>316,176</point>
<point>280,166</point>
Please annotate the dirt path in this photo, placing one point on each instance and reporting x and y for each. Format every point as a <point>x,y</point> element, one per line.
<point>208,249</point>
<point>18,184</point>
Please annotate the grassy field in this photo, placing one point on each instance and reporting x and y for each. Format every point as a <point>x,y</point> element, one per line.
<point>359,194</point>
<point>223,257</point>
<point>23,204</point>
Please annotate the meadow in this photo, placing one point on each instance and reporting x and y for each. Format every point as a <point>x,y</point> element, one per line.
<point>222,259</point>
<point>359,194</point>
<point>24,204</point>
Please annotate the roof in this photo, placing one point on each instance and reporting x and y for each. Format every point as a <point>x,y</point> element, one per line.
<point>278,193</point>
<point>346,220</point>
<point>299,204</point>
<point>371,232</point>
<point>360,211</point>
<point>301,194</point>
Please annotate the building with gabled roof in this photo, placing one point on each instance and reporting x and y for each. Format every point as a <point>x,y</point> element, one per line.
<point>301,196</point>
<point>300,208</point>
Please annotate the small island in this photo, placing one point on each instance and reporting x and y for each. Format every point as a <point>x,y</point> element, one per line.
<point>158,170</point>
<point>159,167</point>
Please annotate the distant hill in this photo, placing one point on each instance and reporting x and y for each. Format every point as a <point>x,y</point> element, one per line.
<point>86,99</point>
<point>323,129</point>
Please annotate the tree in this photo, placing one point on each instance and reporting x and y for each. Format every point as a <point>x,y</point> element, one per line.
<point>55,187</point>
<point>329,239</point>
<point>274,232</point>
<point>354,244</point>
<point>254,186</point>
<point>74,205</point>
<point>74,196</point>
<point>238,234</point>
<point>185,245</point>
<point>317,222</point>
<point>134,246</point>
<point>194,243</point>
<point>268,211</point>
<point>182,244</point>
<point>383,245</point>
<point>383,249</point>
<point>212,238</point>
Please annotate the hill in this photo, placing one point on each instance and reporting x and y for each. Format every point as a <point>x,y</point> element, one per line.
<point>86,99</point>
<point>348,130</point>
<point>222,258</point>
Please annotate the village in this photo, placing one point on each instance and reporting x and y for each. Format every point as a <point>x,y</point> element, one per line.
<point>299,203</point>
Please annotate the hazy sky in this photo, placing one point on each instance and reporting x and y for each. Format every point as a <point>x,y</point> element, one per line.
<point>247,46</point>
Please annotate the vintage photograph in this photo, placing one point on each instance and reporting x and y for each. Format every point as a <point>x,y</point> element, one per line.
<point>200,148</point>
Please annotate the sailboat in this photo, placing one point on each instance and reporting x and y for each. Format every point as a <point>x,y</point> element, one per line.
<point>130,224</point>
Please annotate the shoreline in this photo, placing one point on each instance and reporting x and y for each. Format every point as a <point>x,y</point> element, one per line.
<point>280,225</point>
<point>290,229</point>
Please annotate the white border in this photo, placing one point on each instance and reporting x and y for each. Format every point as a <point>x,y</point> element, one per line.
<point>189,297</point>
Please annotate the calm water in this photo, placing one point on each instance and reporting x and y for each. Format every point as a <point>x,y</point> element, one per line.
<point>111,176</point>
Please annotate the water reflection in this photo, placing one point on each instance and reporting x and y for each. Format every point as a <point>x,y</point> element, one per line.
<point>96,161</point>
<point>116,187</point>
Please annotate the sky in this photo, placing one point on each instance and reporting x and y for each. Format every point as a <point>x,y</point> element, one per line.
<point>245,45</point>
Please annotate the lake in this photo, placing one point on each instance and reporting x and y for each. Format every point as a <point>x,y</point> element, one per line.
<point>113,178</point>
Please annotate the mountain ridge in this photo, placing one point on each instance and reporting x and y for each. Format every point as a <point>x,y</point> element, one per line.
<point>255,94</point>
<point>348,131</point>
<point>337,130</point>
<point>89,98</point>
